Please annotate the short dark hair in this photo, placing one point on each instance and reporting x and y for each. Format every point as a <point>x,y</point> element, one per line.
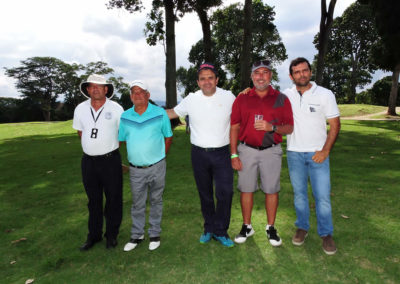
<point>296,62</point>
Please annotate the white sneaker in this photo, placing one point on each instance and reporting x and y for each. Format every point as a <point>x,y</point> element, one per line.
<point>245,232</point>
<point>133,243</point>
<point>154,243</point>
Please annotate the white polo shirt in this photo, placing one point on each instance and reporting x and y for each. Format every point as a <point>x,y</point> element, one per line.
<point>107,124</point>
<point>310,112</point>
<point>209,117</point>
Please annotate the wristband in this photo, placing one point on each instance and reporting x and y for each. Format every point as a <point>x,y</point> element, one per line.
<point>233,156</point>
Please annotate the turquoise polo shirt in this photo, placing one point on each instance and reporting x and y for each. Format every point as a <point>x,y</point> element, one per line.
<point>144,134</point>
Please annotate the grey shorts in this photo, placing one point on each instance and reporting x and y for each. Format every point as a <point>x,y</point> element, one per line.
<point>265,163</point>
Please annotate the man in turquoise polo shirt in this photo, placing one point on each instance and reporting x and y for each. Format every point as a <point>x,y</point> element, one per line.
<point>146,129</point>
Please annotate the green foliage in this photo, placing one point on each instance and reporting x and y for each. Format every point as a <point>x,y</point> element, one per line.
<point>386,52</point>
<point>385,14</point>
<point>41,79</point>
<point>19,110</point>
<point>378,94</point>
<point>187,80</point>
<point>348,62</point>
<point>227,37</point>
<point>43,200</point>
<point>51,86</point>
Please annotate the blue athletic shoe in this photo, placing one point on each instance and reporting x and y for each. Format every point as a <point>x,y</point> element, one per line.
<point>225,241</point>
<point>205,238</point>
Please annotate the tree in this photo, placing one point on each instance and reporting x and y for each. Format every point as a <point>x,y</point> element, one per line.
<point>347,61</point>
<point>245,62</point>
<point>123,90</point>
<point>386,53</point>
<point>173,9</point>
<point>324,32</point>
<point>76,74</point>
<point>41,79</point>
<point>378,94</point>
<point>201,8</point>
<point>227,37</point>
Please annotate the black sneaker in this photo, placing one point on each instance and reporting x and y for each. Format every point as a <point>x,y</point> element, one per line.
<point>273,236</point>
<point>245,232</point>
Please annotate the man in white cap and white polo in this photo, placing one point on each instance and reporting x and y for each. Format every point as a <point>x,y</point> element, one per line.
<point>146,129</point>
<point>97,122</point>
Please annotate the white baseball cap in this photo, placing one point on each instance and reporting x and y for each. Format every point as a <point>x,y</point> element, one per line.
<point>140,84</point>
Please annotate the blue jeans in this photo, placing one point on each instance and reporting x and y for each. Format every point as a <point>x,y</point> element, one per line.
<point>301,167</point>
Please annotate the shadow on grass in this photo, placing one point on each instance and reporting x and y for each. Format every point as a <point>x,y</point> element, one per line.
<point>42,199</point>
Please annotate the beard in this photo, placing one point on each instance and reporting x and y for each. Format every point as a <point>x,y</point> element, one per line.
<point>302,82</point>
<point>261,87</point>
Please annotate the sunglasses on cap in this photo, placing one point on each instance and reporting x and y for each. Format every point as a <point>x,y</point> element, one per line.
<point>262,62</point>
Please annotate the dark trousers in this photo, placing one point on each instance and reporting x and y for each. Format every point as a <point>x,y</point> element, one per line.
<point>214,167</point>
<point>103,173</point>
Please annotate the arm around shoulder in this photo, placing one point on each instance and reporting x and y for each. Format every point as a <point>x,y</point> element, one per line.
<point>171,113</point>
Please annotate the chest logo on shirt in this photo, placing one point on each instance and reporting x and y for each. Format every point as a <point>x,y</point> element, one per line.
<point>108,115</point>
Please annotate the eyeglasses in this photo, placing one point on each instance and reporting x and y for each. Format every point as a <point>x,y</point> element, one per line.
<point>264,62</point>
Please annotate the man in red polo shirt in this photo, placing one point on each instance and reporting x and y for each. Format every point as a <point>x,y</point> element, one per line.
<point>258,120</point>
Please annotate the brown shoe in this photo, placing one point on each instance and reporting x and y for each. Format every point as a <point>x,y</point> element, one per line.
<point>299,237</point>
<point>328,245</point>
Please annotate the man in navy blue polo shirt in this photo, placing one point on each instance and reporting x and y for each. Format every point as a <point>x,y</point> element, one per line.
<point>146,129</point>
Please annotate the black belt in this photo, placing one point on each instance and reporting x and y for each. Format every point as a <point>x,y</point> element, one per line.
<point>211,149</point>
<point>144,167</point>
<point>257,147</point>
<point>107,155</point>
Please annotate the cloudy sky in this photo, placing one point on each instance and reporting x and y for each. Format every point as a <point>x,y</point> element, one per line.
<point>84,31</point>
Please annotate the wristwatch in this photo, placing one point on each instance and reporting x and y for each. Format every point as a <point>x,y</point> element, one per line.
<point>273,128</point>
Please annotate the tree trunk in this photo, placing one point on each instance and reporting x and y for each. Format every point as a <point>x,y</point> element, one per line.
<point>205,25</point>
<point>394,90</point>
<point>170,62</point>
<point>245,58</point>
<point>324,33</point>
<point>353,81</point>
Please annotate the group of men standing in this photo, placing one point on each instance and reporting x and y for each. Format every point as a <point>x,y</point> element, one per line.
<point>226,134</point>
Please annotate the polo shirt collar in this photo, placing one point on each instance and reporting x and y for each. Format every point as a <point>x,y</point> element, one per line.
<point>149,107</point>
<point>311,90</point>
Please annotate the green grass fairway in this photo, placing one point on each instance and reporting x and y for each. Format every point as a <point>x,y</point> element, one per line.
<point>349,110</point>
<point>43,217</point>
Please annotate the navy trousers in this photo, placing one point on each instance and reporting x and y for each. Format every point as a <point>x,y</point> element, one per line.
<point>213,166</point>
<point>103,173</point>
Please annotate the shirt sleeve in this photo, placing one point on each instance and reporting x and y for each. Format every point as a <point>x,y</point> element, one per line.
<point>331,108</point>
<point>288,114</point>
<point>76,123</point>
<point>166,125</point>
<point>235,115</point>
<point>182,108</point>
<point>121,131</point>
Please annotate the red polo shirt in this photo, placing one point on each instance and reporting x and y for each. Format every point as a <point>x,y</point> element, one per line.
<point>275,108</point>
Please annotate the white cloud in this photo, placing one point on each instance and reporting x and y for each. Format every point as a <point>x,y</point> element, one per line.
<point>85,31</point>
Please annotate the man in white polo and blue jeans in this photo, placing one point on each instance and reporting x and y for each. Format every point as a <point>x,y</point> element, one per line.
<point>308,149</point>
<point>146,129</point>
<point>97,121</point>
